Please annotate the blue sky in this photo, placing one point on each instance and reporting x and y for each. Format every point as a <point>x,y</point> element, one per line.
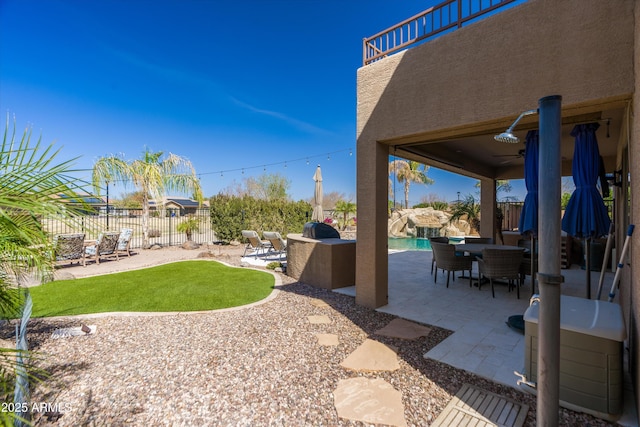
<point>239,88</point>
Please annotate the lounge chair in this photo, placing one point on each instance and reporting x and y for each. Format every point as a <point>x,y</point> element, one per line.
<point>254,243</point>
<point>105,245</point>
<point>501,264</point>
<point>124,241</point>
<point>278,244</point>
<point>69,247</point>
<point>447,260</point>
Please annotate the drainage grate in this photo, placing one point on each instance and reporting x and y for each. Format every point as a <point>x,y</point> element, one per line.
<point>478,407</point>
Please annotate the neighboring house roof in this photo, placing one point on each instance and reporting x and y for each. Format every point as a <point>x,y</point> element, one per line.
<point>182,202</point>
<point>86,198</point>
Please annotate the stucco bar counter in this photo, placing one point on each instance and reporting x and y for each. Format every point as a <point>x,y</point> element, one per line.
<point>327,263</point>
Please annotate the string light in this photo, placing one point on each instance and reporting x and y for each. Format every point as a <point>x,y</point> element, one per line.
<point>285,163</point>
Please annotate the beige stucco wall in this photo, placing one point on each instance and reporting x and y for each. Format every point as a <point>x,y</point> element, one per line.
<point>499,67</point>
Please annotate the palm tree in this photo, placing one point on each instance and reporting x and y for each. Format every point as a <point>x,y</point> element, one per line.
<point>345,208</point>
<point>408,171</point>
<point>152,175</point>
<point>189,225</point>
<point>30,188</point>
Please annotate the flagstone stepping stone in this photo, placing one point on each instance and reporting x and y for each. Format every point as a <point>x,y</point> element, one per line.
<point>319,303</point>
<point>401,328</point>
<point>328,339</point>
<point>372,356</point>
<point>319,319</point>
<point>372,401</point>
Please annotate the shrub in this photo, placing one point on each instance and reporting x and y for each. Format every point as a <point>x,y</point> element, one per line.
<point>437,205</point>
<point>231,214</point>
<point>273,265</point>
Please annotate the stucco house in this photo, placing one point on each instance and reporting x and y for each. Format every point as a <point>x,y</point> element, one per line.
<point>442,101</point>
<point>181,205</point>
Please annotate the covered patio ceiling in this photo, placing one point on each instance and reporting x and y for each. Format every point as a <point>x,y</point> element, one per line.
<point>472,150</point>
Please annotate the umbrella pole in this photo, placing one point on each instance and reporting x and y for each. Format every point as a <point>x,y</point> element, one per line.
<point>588,265</point>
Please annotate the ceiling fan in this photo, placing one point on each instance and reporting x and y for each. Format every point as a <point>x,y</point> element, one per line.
<point>513,157</point>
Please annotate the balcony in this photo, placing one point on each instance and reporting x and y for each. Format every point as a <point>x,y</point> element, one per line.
<point>433,22</point>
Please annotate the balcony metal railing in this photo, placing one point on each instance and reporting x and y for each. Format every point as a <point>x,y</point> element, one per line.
<point>446,16</point>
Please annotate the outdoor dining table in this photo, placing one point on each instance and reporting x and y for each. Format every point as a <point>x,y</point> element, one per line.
<point>476,249</point>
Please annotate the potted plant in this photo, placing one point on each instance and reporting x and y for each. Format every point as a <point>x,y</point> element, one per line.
<point>189,225</point>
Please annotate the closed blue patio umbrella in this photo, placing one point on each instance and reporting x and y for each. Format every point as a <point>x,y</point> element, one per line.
<point>528,223</point>
<point>586,216</point>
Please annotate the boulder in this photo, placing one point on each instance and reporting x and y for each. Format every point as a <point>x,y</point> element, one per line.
<point>189,245</point>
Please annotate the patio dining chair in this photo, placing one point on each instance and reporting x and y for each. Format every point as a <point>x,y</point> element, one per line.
<point>447,260</point>
<point>255,243</point>
<point>433,254</point>
<point>529,260</point>
<point>69,247</point>
<point>501,264</point>
<point>277,242</point>
<point>105,246</point>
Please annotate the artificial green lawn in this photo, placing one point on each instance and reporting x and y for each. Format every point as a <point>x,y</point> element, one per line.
<point>180,286</point>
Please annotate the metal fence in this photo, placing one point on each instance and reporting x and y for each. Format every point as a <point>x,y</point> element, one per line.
<point>163,226</point>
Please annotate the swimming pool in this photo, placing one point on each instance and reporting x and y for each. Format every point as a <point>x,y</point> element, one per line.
<point>413,244</point>
<point>409,244</point>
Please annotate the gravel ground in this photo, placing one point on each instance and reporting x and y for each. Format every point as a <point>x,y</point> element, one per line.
<point>251,367</point>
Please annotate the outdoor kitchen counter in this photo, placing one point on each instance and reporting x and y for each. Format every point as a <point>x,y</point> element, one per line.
<point>327,263</point>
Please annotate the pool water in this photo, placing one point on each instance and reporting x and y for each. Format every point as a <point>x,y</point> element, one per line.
<point>409,244</point>
<point>413,244</point>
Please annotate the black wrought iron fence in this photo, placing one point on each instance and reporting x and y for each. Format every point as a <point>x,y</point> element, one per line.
<point>162,226</point>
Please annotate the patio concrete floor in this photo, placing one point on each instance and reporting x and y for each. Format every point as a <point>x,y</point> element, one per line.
<point>482,342</point>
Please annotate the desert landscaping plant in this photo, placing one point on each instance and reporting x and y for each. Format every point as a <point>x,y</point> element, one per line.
<point>189,225</point>
<point>468,210</point>
<point>345,209</point>
<point>30,184</point>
